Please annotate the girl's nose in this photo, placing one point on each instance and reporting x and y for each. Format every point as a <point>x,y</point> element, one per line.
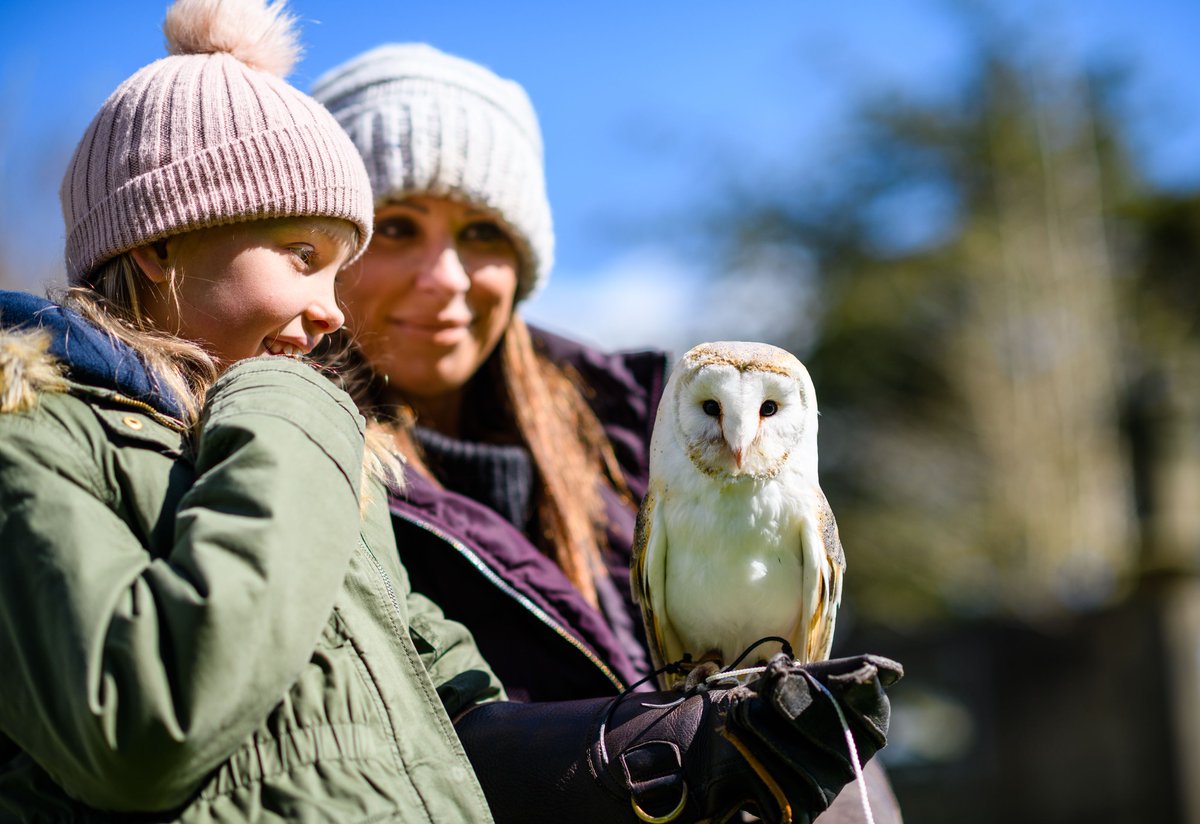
<point>445,272</point>
<point>324,313</point>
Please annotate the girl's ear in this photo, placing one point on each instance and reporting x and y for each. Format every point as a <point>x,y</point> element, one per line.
<point>152,260</point>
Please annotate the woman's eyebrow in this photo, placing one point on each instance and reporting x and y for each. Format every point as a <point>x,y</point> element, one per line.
<point>408,204</point>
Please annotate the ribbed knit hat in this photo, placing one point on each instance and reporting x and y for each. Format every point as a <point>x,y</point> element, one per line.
<point>210,135</point>
<point>429,123</point>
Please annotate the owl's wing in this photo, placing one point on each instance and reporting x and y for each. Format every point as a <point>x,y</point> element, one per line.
<point>813,639</point>
<point>648,575</point>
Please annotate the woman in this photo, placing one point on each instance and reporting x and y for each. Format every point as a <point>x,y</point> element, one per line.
<point>530,451</point>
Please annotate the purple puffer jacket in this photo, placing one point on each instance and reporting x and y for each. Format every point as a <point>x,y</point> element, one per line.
<point>544,641</point>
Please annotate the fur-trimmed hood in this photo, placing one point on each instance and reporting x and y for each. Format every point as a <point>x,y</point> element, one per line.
<point>27,369</point>
<point>42,345</point>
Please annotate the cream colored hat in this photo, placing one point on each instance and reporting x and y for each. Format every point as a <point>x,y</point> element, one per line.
<point>429,123</point>
<point>210,135</point>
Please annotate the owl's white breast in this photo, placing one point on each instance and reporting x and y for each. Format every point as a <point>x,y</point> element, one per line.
<point>735,562</point>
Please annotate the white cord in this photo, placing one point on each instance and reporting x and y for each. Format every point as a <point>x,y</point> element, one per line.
<point>723,674</point>
<point>858,773</point>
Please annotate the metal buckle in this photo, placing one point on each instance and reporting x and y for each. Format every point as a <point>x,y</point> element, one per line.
<point>663,819</point>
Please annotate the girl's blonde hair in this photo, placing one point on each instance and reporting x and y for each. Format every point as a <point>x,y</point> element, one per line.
<point>114,300</point>
<point>114,297</point>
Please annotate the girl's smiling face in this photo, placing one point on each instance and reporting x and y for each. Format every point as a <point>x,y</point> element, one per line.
<point>250,288</point>
<point>431,297</point>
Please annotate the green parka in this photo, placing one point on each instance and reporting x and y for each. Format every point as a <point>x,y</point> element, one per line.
<point>203,626</point>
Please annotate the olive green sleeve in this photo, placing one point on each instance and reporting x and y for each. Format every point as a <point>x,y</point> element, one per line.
<point>448,652</point>
<point>127,677</point>
<point>447,648</point>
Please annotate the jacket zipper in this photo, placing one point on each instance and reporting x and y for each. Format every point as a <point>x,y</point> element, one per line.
<point>507,589</point>
<point>165,420</point>
<point>387,579</point>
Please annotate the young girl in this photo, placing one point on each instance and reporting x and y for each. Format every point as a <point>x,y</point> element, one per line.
<point>194,619</point>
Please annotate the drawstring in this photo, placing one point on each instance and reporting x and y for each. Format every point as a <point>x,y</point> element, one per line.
<point>858,773</point>
<point>673,667</point>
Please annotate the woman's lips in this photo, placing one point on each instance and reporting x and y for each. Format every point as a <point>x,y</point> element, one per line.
<point>443,332</point>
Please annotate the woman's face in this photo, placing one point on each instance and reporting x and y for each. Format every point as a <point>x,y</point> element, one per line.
<point>431,297</point>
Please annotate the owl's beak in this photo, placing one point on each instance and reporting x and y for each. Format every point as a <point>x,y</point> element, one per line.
<point>739,437</point>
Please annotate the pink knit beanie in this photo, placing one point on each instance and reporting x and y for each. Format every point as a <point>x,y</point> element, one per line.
<point>210,135</point>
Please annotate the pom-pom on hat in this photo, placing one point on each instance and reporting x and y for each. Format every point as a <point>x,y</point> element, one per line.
<point>210,135</point>
<point>429,123</point>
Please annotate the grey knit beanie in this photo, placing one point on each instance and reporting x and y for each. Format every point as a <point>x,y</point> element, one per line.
<point>429,123</point>
<point>210,135</point>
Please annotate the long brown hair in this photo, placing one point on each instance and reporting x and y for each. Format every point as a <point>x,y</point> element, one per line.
<point>534,402</point>
<point>571,454</point>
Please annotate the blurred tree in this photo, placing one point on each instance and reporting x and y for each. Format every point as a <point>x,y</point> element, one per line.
<point>1163,233</point>
<point>1161,236</point>
<point>967,339</point>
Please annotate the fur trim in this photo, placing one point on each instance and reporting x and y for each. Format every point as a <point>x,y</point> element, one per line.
<point>262,36</point>
<point>27,369</point>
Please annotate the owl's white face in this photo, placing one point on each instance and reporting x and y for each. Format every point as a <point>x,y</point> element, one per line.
<point>740,420</point>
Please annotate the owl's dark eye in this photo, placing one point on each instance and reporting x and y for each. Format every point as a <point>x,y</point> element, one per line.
<point>711,408</point>
<point>768,409</point>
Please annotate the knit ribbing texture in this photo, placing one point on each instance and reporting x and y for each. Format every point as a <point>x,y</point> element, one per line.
<point>429,123</point>
<point>200,140</point>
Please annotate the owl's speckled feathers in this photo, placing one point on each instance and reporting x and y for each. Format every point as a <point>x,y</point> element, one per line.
<point>735,540</point>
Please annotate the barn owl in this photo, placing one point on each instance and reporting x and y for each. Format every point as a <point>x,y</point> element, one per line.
<point>735,540</point>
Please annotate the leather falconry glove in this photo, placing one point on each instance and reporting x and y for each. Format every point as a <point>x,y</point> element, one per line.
<point>776,746</point>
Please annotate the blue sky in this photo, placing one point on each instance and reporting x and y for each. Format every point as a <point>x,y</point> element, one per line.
<point>645,108</point>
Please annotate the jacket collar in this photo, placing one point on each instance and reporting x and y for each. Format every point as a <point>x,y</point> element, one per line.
<point>91,356</point>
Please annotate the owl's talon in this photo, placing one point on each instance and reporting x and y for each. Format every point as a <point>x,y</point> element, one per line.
<point>698,674</point>
<point>742,693</point>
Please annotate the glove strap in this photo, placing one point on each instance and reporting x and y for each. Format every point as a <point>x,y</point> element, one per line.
<point>654,778</point>
<point>653,772</point>
<point>764,775</point>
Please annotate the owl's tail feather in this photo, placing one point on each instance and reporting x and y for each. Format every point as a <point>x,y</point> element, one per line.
<point>764,775</point>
